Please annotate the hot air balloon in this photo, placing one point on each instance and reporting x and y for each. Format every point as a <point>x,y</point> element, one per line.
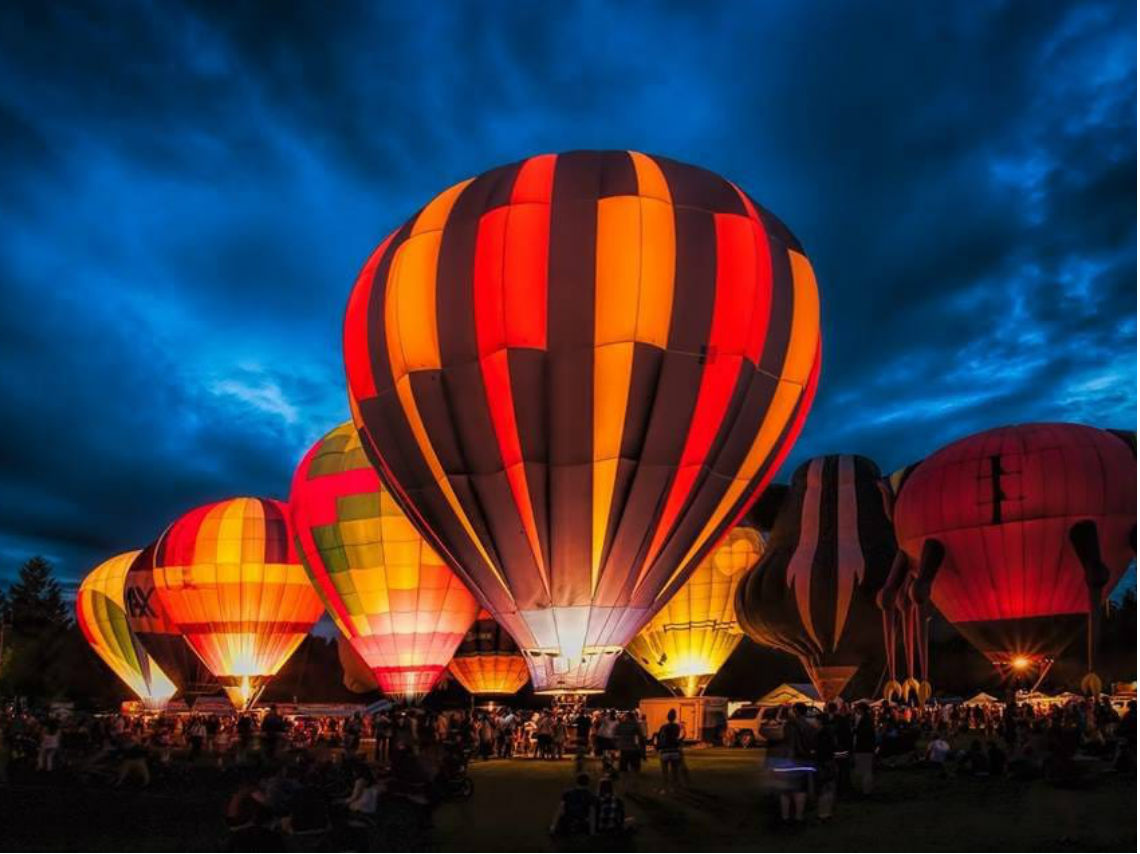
<point>829,553</point>
<point>358,676</point>
<point>488,662</point>
<point>100,612</point>
<point>688,640</point>
<point>157,632</point>
<point>228,577</point>
<point>1018,534</point>
<point>390,594</point>
<point>575,373</point>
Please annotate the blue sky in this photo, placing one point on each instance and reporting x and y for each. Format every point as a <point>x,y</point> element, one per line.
<point>186,193</point>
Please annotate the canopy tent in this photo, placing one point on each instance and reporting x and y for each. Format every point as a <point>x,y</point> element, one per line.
<point>790,692</point>
<point>981,699</point>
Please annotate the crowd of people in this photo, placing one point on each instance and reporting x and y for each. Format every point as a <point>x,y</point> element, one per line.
<point>834,751</point>
<point>386,772</point>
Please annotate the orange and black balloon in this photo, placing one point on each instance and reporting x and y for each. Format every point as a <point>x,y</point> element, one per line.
<point>575,373</point>
<point>488,662</point>
<point>1018,534</point>
<point>813,593</point>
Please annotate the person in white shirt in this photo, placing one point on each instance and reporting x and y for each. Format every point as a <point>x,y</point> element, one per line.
<point>938,751</point>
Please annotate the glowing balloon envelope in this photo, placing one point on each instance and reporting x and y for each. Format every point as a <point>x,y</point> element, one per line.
<point>102,617</point>
<point>400,606</point>
<point>488,662</point>
<point>575,373</point>
<point>1018,534</point>
<point>228,577</point>
<point>688,640</point>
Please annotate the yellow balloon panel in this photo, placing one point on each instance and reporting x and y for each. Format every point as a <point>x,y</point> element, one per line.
<point>688,640</point>
<point>102,617</point>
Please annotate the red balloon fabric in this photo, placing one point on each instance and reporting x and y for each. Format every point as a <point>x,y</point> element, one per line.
<point>1005,505</point>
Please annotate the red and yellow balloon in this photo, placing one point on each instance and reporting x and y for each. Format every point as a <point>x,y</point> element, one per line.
<point>400,606</point>
<point>575,373</point>
<point>228,576</point>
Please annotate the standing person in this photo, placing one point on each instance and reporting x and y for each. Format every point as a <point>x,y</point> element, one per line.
<point>627,737</point>
<point>559,736</point>
<point>382,730</point>
<point>607,733</point>
<point>797,764</point>
<point>668,743</point>
<point>272,728</point>
<point>49,746</point>
<point>826,771</point>
<point>544,736</point>
<point>196,735</point>
<point>506,734</point>
<point>864,744</point>
<point>486,737</point>
<point>213,725</point>
<point>244,736</point>
<point>582,726</point>
<point>353,728</point>
<point>844,745</point>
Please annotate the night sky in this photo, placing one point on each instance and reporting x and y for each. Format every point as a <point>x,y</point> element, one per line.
<point>187,193</point>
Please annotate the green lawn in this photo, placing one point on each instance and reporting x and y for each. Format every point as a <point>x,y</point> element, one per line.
<point>727,810</point>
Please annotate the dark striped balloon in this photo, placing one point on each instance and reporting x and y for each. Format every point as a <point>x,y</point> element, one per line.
<point>829,553</point>
<point>576,372</point>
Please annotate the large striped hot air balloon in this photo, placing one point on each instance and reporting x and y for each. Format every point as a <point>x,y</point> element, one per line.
<point>488,662</point>
<point>102,617</point>
<point>575,373</point>
<point>389,593</point>
<point>688,640</point>
<point>813,593</point>
<point>1018,534</point>
<point>159,635</point>
<point>229,578</point>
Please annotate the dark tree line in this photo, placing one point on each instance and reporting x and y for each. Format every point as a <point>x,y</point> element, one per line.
<point>45,656</point>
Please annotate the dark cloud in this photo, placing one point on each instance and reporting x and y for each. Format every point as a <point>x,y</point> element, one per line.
<point>189,189</point>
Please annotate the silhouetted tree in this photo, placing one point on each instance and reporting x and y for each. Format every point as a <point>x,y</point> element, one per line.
<point>35,599</point>
<point>40,650</point>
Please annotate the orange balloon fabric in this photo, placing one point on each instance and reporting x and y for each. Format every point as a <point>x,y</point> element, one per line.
<point>229,578</point>
<point>575,373</point>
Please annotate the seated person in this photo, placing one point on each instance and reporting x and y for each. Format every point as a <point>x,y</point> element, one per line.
<point>365,797</point>
<point>577,810</point>
<point>938,751</point>
<point>609,810</point>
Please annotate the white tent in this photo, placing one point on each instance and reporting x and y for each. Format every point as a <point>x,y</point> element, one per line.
<point>981,699</point>
<point>790,692</point>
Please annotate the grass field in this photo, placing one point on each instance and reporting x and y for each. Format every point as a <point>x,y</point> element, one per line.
<point>726,809</point>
